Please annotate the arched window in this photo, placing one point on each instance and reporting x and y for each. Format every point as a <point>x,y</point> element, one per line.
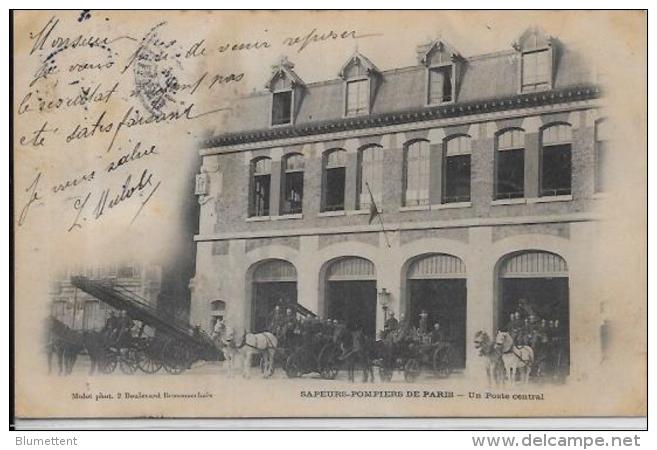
<point>556,165</point>
<point>260,186</point>
<point>370,174</point>
<point>218,307</point>
<point>456,170</point>
<point>510,165</point>
<point>334,180</point>
<point>293,166</point>
<point>416,176</point>
<point>601,154</point>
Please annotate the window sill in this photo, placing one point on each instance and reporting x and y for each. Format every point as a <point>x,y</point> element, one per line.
<point>599,196</point>
<point>295,216</point>
<point>454,205</point>
<point>361,212</point>
<point>258,219</point>
<point>331,213</point>
<point>449,102</point>
<point>279,125</point>
<point>415,208</point>
<point>509,201</point>
<point>550,199</point>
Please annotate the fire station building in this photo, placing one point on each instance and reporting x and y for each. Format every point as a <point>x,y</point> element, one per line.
<point>485,171</point>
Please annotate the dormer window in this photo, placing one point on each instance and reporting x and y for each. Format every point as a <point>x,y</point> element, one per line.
<point>535,49</point>
<point>535,71</point>
<point>440,85</point>
<point>358,97</point>
<point>442,63</point>
<point>360,77</point>
<point>285,87</point>
<point>281,108</point>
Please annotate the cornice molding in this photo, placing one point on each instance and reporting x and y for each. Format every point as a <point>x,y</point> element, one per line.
<point>401,226</point>
<point>352,124</point>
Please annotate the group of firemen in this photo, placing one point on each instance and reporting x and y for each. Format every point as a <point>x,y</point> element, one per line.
<point>117,326</point>
<point>532,330</point>
<point>546,338</point>
<point>403,329</point>
<point>286,325</point>
<point>283,322</point>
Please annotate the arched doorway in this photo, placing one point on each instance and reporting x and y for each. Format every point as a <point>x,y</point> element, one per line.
<point>351,293</point>
<point>437,286</point>
<point>534,293</point>
<point>274,283</point>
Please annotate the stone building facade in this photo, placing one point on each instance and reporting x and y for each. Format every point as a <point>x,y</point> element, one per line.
<point>485,171</point>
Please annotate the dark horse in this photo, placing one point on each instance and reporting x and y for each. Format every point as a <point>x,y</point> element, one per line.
<point>356,353</point>
<point>65,343</point>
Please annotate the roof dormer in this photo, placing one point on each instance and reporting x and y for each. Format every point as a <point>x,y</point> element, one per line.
<point>361,80</point>
<point>444,66</point>
<point>286,88</point>
<point>536,68</point>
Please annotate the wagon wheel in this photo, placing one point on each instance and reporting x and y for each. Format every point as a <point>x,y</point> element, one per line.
<point>293,365</point>
<point>107,361</point>
<point>411,370</point>
<point>442,364</point>
<point>176,358</point>
<point>128,360</point>
<point>328,362</point>
<point>147,362</point>
<point>266,368</point>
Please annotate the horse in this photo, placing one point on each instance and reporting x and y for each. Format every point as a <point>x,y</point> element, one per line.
<point>517,360</point>
<point>357,351</point>
<point>96,344</point>
<point>487,349</point>
<point>243,344</point>
<point>65,343</point>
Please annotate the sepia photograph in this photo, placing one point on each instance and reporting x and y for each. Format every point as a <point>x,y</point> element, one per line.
<point>329,214</point>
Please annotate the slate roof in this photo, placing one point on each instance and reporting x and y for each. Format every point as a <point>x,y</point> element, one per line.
<point>486,81</point>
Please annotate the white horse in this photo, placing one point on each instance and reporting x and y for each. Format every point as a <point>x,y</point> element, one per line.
<point>238,343</point>
<point>493,355</point>
<point>517,360</point>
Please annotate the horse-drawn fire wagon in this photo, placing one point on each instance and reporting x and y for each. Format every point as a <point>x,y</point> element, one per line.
<point>171,344</point>
<point>412,352</point>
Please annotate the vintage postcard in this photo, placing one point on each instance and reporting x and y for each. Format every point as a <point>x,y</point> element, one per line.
<point>257,214</point>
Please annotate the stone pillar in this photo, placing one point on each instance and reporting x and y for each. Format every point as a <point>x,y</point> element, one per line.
<point>236,287</point>
<point>388,269</point>
<point>482,169</point>
<point>393,167</point>
<point>480,284</point>
<point>532,126</point>
<point>312,180</point>
<point>351,181</point>
<point>275,188</point>
<point>205,286</point>
<point>308,274</point>
<point>436,173</point>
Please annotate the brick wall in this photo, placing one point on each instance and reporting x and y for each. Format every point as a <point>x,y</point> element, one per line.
<point>231,207</point>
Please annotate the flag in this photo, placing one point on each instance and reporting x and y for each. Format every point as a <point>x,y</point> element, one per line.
<point>374,211</point>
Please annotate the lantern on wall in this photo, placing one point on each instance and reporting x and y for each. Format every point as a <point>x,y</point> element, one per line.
<point>384,301</point>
